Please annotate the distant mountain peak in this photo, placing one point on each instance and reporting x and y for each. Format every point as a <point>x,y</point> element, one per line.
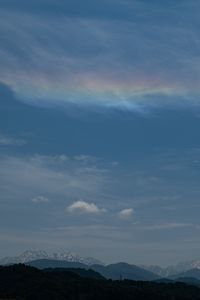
<point>174,269</point>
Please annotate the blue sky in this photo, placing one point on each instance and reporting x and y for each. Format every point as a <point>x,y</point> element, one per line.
<point>99,128</point>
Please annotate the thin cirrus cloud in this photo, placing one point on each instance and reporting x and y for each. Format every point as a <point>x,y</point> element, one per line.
<point>40,199</point>
<point>168,226</point>
<point>101,61</point>
<point>84,208</point>
<point>60,176</point>
<point>10,141</point>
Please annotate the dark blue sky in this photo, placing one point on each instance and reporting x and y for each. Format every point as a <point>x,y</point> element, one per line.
<point>99,128</point>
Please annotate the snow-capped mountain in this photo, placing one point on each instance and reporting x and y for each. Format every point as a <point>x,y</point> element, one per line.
<point>28,256</point>
<point>173,269</point>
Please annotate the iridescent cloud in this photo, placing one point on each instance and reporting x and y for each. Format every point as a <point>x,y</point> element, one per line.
<point>88,60</point>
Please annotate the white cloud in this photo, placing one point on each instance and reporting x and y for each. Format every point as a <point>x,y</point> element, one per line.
<point>40,199</point>
<point>126,214</point>
<point>84,207</point>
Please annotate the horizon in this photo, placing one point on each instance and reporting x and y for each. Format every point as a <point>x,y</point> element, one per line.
<point>99,128</point>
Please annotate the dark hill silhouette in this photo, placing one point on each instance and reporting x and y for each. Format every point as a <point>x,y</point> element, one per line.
<point>81,272</point>
<point>189,280</point>
<point>124,271</point>
<point>22,282</point>
<point>52,263</point>
<point>193,273</point>
<point>186,280</point>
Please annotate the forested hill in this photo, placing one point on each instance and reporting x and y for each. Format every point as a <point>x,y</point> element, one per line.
<point>22,282</point>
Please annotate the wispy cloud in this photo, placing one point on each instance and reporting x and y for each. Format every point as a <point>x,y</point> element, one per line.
<point>40,199</point>
<point>60,176</point>
<point>168,226</point>
<point>6,140</point>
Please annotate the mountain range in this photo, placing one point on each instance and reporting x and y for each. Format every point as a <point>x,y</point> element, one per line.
<point>44,260</point>
<point>116,271</point>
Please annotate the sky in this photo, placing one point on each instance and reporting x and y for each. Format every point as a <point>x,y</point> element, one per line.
<point>99,128</point>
